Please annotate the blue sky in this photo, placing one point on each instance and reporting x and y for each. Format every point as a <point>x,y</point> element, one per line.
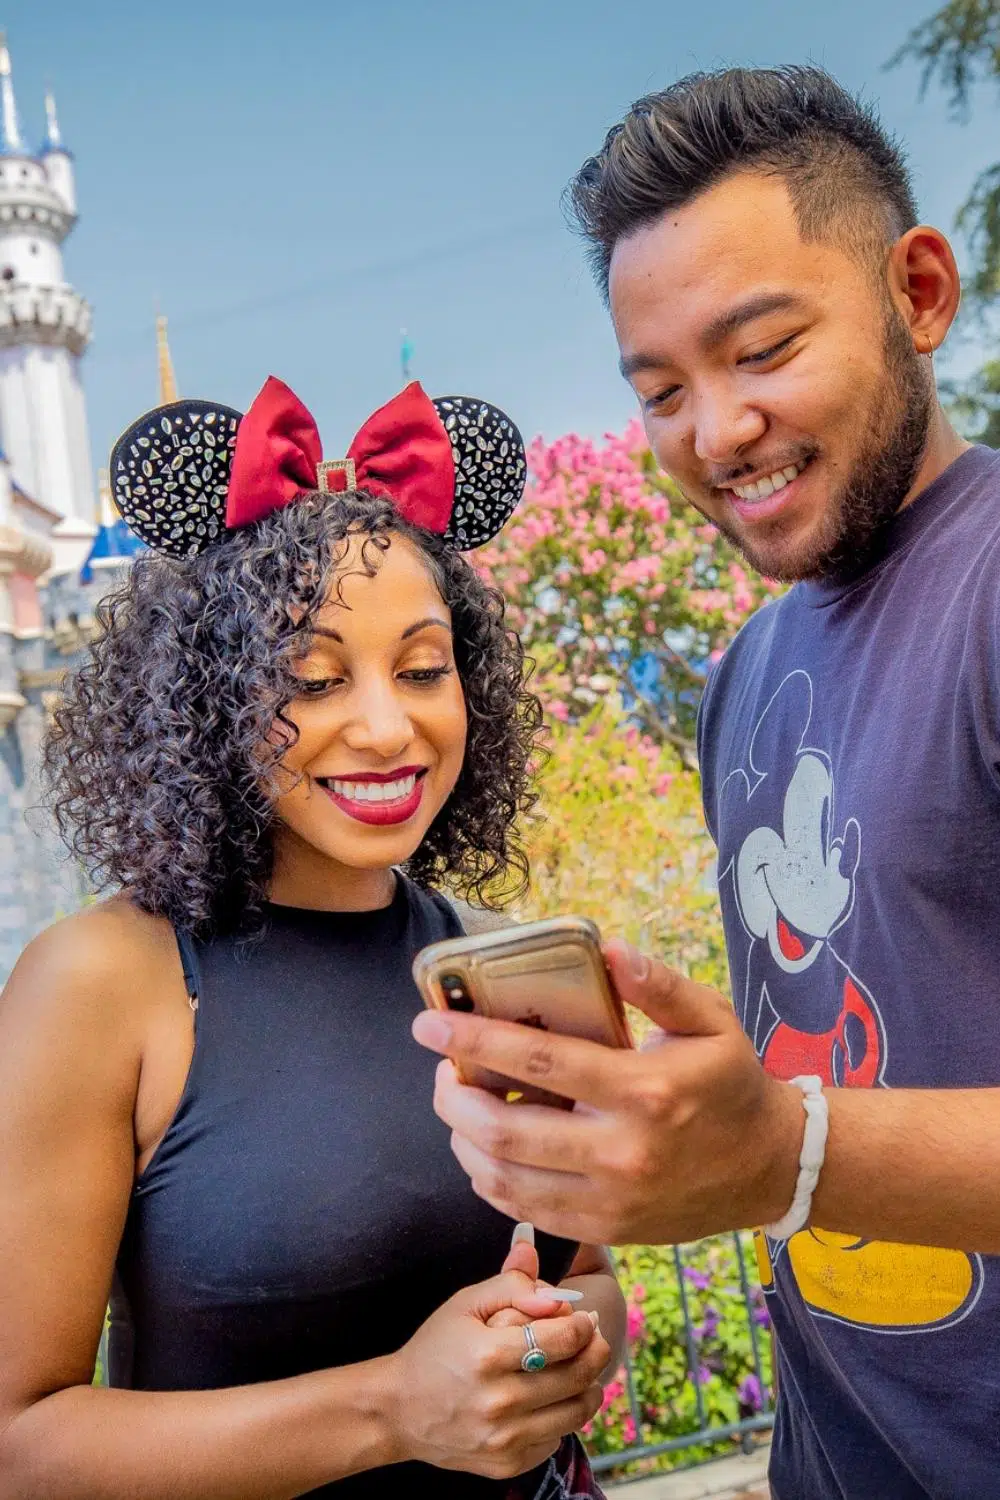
<point>295,184</point>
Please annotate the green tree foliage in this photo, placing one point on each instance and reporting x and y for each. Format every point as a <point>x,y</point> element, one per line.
<point>957,48</point>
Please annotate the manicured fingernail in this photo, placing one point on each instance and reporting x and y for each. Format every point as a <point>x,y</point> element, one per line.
<point>558,1295</point>
<point>432,1029</point>
<point>594,1318</point>
<point>637,962</point>
<point>524,1234</point>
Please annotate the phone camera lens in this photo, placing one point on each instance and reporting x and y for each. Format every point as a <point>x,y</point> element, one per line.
<point>455,992</point>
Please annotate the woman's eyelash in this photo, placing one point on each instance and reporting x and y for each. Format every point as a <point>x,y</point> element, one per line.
<point>315,687</point>
<point>427,674</point>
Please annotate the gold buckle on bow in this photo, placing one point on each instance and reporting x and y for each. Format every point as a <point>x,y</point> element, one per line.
<point>339,465</point>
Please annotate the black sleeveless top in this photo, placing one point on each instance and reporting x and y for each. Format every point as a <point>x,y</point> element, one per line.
<point>304,1209</point>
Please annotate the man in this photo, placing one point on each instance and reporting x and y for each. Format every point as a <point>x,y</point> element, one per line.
<point>777,305</point>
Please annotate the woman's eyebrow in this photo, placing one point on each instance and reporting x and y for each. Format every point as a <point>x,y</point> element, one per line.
<point>422,625</point>
<point>333,635</point>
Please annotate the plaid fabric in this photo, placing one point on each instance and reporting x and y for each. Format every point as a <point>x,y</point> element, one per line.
<point>568,1476</point>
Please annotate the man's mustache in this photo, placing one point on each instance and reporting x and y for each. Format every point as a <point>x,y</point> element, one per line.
<point>724,478</point>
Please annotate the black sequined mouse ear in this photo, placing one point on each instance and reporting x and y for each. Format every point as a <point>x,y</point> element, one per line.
<point>170,475</point>
<point>490,469</point>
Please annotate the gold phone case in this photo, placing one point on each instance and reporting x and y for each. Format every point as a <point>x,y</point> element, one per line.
<point>549,975</point>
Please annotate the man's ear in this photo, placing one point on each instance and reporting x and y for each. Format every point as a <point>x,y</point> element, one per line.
<point>925,285</point>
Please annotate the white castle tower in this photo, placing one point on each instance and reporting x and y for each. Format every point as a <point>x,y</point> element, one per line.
<point>44,323</point>
<point>47,509</point>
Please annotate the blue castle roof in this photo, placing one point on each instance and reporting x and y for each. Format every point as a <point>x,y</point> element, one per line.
<point>113,545</point>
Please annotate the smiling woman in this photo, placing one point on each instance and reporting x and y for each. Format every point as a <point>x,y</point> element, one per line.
<point>253,699</point>
<point>304,712</point>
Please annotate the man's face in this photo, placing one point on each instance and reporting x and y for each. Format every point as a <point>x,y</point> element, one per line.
<point>778,385</point>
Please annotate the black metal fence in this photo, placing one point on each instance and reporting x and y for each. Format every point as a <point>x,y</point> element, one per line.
<point>697,1381</point>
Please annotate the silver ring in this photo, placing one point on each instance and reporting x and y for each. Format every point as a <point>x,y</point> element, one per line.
<point>533,1358</point>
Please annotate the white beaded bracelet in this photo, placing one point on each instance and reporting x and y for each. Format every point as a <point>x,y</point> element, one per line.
<point>810,1159</point>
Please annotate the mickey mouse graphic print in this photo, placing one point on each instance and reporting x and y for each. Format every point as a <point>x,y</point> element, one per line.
<point>850,752</point>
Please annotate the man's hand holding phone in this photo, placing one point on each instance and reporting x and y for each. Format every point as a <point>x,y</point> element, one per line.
<point>684,1139</point>
<point>546,976</point>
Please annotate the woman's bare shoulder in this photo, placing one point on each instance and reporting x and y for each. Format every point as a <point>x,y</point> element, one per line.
<point>108,951</point>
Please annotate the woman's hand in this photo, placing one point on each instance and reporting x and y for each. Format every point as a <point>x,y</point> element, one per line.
<point>533,1303</point>
<point>460,1400</point>
<point>591,1279</point>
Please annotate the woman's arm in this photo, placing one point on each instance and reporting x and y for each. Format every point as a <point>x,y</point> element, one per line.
<point>71,1044</point>
<point>261,1442</point>
<point>71,1050</point>
<point>593,1274</point>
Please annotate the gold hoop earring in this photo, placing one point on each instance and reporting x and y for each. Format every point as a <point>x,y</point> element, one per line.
<point>925,344</point>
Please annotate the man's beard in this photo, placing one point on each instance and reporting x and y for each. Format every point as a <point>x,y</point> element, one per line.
<point>848,540</point>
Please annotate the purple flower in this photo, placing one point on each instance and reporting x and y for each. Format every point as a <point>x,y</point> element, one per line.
<point>700,1280</point>
<point>710,1327</point>
<point>702,1375</point>
<point>750,1395</point>
<point>762,1317</point>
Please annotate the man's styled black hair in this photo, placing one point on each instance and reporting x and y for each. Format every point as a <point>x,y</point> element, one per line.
<point>847,178</point>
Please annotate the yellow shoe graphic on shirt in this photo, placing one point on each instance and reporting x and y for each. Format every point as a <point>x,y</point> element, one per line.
<point>883,1286</point>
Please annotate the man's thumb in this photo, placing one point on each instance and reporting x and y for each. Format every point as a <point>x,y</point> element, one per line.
<point>678,1005</point>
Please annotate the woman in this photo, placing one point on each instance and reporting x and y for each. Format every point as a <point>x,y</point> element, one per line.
<point>209,1093</point>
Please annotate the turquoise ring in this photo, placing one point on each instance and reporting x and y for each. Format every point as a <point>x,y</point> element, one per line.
<point>533,1358</point>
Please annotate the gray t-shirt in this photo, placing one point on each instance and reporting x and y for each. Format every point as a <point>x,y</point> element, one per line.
<point>850,752</point>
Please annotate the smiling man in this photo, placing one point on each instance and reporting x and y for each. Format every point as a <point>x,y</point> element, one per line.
<point>777,306</point>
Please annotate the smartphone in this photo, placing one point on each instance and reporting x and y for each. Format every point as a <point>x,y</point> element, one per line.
<point>550,975</point>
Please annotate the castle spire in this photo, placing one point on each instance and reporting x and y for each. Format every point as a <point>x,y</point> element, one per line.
<point>53,135</point>
<point>168,385</point>
<point>107,511</point>
<point>10,130</point>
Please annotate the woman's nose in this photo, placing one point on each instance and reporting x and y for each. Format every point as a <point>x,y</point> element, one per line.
<point>380,722</point>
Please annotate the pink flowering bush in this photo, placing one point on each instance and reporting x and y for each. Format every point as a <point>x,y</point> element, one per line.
<point>625,598</point>
<point>611,576</point>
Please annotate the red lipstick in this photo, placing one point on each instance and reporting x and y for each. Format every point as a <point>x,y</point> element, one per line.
<point>347,793</point>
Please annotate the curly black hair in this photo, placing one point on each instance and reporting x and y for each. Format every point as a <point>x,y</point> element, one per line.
<point>157,759</point>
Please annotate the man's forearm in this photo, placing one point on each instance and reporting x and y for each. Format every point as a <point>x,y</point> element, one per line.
<point>915,1166</point>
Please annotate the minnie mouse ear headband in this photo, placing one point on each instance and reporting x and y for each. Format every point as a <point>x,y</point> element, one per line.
<point>186,473</point>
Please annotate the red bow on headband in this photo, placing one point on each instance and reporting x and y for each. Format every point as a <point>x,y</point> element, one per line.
<point>402,452</point>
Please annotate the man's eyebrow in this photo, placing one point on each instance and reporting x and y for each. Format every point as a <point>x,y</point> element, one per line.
<point>633,364</point>
<point>718,329</point>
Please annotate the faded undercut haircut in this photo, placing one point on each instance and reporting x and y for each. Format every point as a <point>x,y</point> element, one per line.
<point>847,177</point>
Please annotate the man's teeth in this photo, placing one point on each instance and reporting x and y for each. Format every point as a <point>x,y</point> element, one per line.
<point>760,489</point>
<point>374,791</point>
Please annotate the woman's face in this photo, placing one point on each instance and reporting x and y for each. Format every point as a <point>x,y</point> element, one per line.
<point>380,717</point>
